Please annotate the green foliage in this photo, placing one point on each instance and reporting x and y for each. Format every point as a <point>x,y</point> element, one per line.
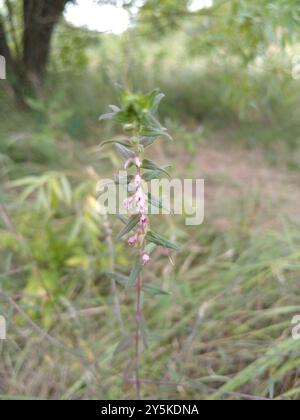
<point>70,50</point>
<point>138,114</point>
<point>131,224</point>
<point>161,241</point>
<point>227,303</point>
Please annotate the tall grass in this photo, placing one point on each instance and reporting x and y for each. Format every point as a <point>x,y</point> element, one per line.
<point>223,327</point>
<point>224,331</point>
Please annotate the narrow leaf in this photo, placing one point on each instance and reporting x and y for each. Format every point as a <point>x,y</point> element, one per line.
<point>115,108</point>
<point>152,166</point>
<point>66,189</point>
<point>124,152</point>
<point>131,224</point>
<point>147,141</point>
<point>135,272</point>
<point>119,278</point>
<point>161,241</point>
<point>124,143</point>
<point>147,288</point>
<point>148,176</point>
<point>144,332</point>
<point>124,344</point>
<point>158,98</point>
<point>108,116</point>
<point>150,248</point>
<point>157,133</point>
<point>154,291</point>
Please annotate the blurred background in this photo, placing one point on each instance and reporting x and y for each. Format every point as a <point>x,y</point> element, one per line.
<point>221,328</point>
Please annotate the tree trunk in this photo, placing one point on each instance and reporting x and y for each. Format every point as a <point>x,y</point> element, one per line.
<point>13,70</point>
<point>26,66</point>
<point>40,18</point>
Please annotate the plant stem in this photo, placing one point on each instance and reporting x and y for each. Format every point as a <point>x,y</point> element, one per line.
<point>114,290</point>
<point>137,337</point>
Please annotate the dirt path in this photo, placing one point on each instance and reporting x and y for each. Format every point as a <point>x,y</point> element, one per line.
<point>242,182</point>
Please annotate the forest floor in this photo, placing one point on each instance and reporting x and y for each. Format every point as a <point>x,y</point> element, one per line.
<point>272,192</point>
<point>266,188</point>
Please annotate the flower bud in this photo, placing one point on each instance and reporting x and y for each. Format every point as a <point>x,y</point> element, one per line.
<point>138,162</point>
<point>133,240</point>
<point>128,127</point>
<point>146,259</point>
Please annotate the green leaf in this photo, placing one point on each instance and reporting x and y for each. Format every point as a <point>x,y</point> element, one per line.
<point>263,364</point>
<point>30,180</point>
<point>124,152</point>
<point>119,278</point>
<point>124,343</point>
<point>147,141</point>
<point>150,248</point>
<point>157,100</point>
<point>154,291</point>
<point>161,241</point>
<point>149,99</point>
<point>155,132</point>
<point>110,115</point>
<point>131,224</point>
<point>148,176</point>
<point>154,126</point>
<point>144,331</point>
<point>67,191</point>
<point>135,273</point>
<point>115,108</point>
<point>152,166</point>
<point>147,288</point>
<point>124,143</point>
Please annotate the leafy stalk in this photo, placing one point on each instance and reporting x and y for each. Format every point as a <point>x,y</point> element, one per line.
<point>138,117</point>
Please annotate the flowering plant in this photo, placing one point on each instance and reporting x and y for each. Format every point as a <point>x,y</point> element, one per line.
<point>138,117</point>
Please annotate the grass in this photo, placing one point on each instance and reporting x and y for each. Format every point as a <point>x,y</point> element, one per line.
<point>223,331</point>
<point>226,326</point>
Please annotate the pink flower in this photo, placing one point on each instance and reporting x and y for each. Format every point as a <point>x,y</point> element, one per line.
<point>137,180</point>
<point>144,222</point>
<point>140,199</point>
<point>146,259</point>
<point>133,240</point>
<point>138,162</point>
